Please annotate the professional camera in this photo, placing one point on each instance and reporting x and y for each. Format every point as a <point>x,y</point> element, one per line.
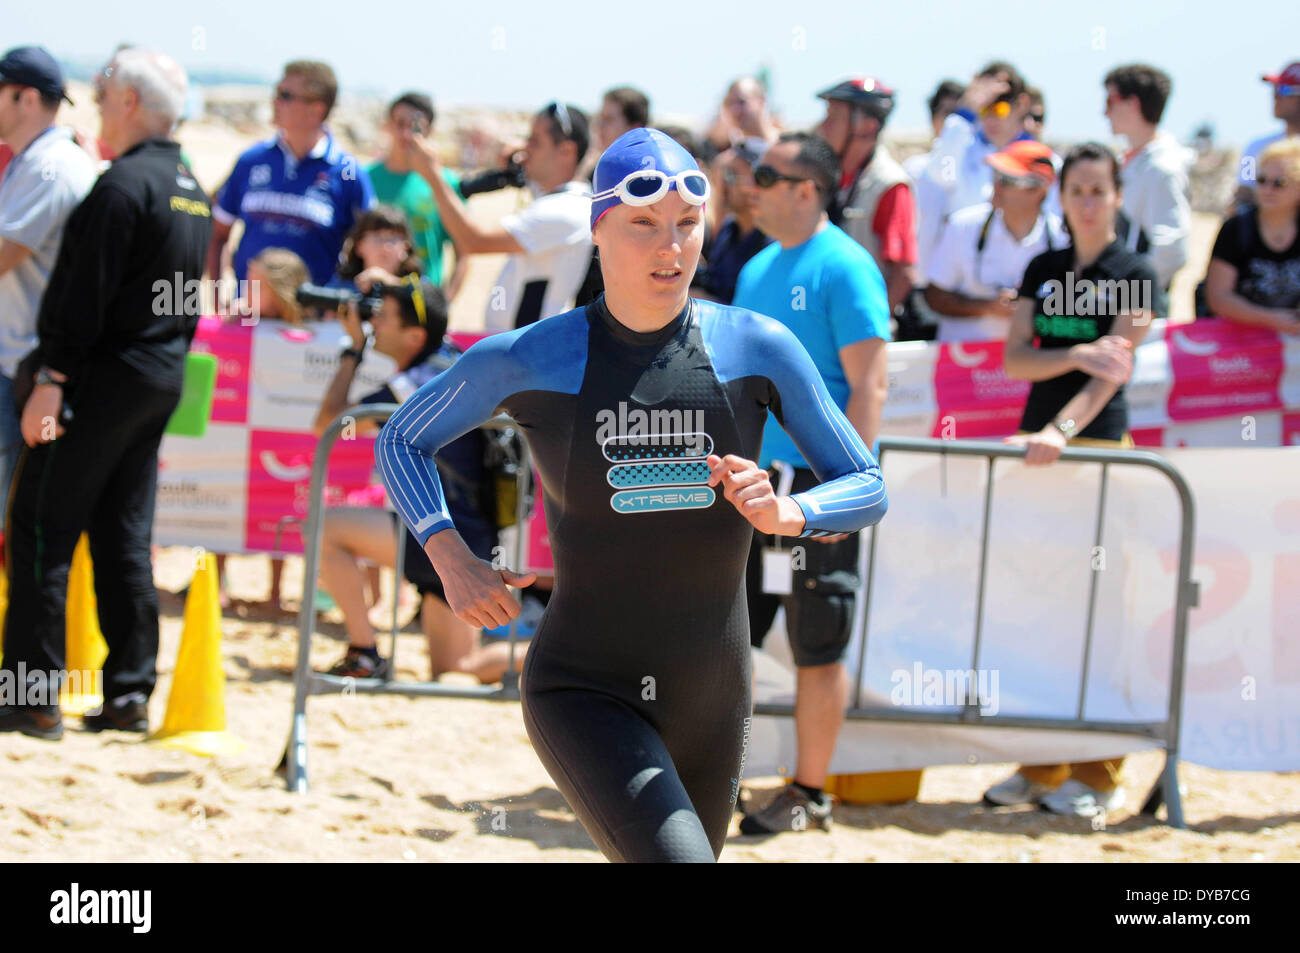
<point>333,299</point>
<point>512,175</point>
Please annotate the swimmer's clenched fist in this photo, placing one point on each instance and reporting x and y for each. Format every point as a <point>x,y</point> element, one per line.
<point>748,488</point>
<point>475,591</point>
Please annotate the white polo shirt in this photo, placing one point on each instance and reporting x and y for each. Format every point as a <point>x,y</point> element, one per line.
<point>958,265</point>
<point>555,233</point>
<point>40,188</point>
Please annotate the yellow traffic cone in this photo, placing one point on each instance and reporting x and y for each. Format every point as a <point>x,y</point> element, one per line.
<point>82,691</point>
<point>196,709</point>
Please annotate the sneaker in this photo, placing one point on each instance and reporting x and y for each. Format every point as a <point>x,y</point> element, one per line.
<point>358,664</point>
<point>37,721</point>
<point>1017,789</point>
<point>1076,799</point>
<point>790,810</point>
<point>128,713</point>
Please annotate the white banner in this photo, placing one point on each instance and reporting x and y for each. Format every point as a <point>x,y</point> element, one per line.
<point>1241,708</point>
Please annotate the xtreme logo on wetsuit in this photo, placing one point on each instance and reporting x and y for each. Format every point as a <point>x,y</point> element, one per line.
<point>665,448</point>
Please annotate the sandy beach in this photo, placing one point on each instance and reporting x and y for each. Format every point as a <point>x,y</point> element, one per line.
<point>399,779</point>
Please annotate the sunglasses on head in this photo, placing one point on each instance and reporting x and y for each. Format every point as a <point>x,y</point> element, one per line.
<point>1277,183</point>
<point>412,284</point>
<point>561,114</point>
<point>765,177</point>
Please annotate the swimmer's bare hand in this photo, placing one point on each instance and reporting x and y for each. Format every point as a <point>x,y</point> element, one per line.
<point>748,488</point>
<point>475,591</point>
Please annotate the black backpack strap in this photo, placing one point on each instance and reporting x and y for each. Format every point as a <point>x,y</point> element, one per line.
<point>984,232</point>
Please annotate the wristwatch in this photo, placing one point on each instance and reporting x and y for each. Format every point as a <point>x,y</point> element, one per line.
<point>358,353</point>
<point>1067,427</point>
<point>43,377</point>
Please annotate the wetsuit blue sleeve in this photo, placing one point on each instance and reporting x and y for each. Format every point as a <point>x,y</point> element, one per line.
<point>852,493</point>
<point>447,406</point>
<point>543,356</point>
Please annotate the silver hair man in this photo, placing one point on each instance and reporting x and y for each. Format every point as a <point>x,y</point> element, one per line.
<point>159,85</point>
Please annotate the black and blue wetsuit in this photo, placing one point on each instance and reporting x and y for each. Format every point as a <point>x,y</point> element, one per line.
<point>636,688</point>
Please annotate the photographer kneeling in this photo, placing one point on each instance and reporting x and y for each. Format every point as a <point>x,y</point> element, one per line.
<point>409,324</point>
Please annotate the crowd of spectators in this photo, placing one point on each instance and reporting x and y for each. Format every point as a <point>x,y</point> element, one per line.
<point>955,243</point>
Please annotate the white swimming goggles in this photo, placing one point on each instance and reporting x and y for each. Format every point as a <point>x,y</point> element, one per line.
<point>647,186</point>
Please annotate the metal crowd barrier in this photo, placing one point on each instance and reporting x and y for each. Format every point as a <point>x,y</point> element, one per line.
<point>1185,595</point>
<point>307,682</point>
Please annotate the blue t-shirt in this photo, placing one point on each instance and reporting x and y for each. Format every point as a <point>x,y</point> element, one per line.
<point>306,206</point>
<point>830,293</point>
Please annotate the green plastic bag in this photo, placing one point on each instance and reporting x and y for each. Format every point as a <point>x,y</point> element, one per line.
<point>190,419</point>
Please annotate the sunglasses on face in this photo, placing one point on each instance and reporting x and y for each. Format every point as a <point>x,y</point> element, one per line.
<point>1038,117</point>
<point>1286,89</point>
<point>285,96</point>
<point>385,238</point>
<point>1017,181</point>
<point>99,83</point>
<point>1001,109</point>
<point>765,177</point>
<point>1264,181</point>
<point>418,125</point>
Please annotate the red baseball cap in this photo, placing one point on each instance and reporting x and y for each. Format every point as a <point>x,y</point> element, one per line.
<point>1025,158</point>
<point>1288,77</point>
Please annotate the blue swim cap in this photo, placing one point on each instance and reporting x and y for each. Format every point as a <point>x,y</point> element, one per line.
<point>636,149</point>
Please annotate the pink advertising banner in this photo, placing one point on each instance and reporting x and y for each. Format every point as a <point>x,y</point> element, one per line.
<point>1208,384</point>
<point>250,475</point>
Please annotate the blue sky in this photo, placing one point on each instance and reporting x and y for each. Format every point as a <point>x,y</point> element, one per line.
<point>519,53</point>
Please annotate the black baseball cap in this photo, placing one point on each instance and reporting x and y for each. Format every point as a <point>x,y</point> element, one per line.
<point>33,66</point>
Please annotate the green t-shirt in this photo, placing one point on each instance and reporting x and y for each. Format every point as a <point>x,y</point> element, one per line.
<point>409,192</point>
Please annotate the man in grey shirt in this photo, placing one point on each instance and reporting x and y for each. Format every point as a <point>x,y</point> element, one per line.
<point>47,178</point>
<point>1155,168</point>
